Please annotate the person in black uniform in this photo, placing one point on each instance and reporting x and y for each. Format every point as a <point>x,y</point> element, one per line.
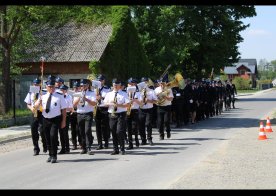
<point>74,122</point>
<point>36,125</point>
<point>102,126</point>
<point>54,116</point>
<point>117,102</point>
<point>233,93</point>
<point>177,105</point>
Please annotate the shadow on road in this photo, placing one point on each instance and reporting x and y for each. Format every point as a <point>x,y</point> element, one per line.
<point>92,159</point>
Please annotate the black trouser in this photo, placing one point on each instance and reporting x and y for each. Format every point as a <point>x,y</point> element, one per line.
<point>36,130</point>
<point>145,120</point>
<point>117,125</point>
<point>64,137</point>
<point>164,114</point>
<point>179,113</point>
<point>102,126</point>
<point>75,129</point>
<point>50,127</point>
<point>186,112</point>
<point>132,125</point>
<point>85,123</point>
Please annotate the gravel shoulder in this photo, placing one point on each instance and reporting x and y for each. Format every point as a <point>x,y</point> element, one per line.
<point>242,162</point>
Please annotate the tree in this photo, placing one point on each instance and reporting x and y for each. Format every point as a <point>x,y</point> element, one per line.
<point>191,37</point>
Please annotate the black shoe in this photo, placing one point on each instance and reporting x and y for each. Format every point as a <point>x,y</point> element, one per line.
<point>106,145</point>
<point>36,152</point>
<point>150,142</point>
<point>115,152</point>
<point>44,150</point>
<point>123,152</point>
<point>61,151</point>
<point>169,135</point>
<point>49,159</point>
<point>54,160</point>
<point>144,143</point>
<point>129,147</point>
<point>67,151</point>
<point>83,151</point>
<point>137,143</point>
<point>99,147</point>
<point>161,137</point>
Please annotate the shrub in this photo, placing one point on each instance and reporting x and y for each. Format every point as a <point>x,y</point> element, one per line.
<point>242,83</point>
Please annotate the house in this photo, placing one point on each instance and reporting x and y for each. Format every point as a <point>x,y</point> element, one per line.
<point>245,68</point>
<point>70,50</point>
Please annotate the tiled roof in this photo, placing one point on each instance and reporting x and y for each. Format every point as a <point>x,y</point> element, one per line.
<point>71,43</point>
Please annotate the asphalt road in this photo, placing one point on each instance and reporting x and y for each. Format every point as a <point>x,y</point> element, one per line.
<point>149,167</point>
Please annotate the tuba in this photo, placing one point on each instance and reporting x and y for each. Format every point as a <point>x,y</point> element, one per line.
<point>177,82</point>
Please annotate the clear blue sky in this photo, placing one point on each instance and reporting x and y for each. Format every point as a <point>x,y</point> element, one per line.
<point>260,37</point>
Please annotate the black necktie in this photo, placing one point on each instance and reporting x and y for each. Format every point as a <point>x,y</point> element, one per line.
<point>48,104</point>
<point>64,96</point>
<point>36,96</point>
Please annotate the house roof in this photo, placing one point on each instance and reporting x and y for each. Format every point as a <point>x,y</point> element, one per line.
<point>248,63</point>
<point>71,43</point>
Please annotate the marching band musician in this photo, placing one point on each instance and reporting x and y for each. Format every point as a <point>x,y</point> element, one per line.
<point>147,99</point>
<point>64,137</point>
<point>117,102</point>
<point>164,110</point>
<point>132,117</point>
<point>102,127</point>
<point>54,116</point>
<point>36,125</point>
<point>85,106</point>
<point>74,122</point>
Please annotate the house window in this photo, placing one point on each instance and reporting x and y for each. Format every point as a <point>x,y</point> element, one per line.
<point>242,72</point>
<point>71,82</point>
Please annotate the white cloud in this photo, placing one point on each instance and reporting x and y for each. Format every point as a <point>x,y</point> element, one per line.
<point>258,32</point>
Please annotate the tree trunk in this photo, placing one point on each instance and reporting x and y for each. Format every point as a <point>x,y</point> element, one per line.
<point>6,79</point>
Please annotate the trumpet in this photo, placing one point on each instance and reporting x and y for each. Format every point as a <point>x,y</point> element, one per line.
<point>82,102</point>
<point>98,102</point>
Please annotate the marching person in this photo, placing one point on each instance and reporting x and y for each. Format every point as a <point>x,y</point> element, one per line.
<point>102,123</point>
<point>54,116</point>
<point>164,109</point>
<point>85,106</point>
<point>74,122</point>
<point>64,137</point>
<point>132,116</point>
<point>233,92</point>
<point>117,102</point>
<point>36,125</point>
<point>147,98</point>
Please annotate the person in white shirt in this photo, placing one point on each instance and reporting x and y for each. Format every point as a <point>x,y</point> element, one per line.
<point>37,121</point>
<point>85,106</point>
<point>64,137</point>
<point>54,116</point>
<point>102,122</point>
<point>164,109</point>
<point>133,117</point>
<point>147,100</point>
<point>117,102</point>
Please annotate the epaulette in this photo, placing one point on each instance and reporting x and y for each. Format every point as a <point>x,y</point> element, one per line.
<point>59,93</point>
<point>106,87</point>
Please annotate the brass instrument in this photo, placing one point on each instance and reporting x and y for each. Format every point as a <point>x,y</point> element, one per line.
<point>35,112</point>
<point>115,106</point>
<point>178,81</point>
<point>130,91</point>
<point>96,106</point>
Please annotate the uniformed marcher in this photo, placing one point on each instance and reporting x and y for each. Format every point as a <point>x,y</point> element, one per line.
<point>37,121</point>
<point>64,136</point>
<point>74,122</point>
<point>164,109</point>
<point>132,114</point>
<point>102,122</point>
<point>54,116</point>
<point>117,102</point>
<point>233,93</point>
<point>147,99</point>
<point>85,106</point>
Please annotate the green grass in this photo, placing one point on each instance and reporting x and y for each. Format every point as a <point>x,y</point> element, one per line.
<point>18,113</point>
<point>247,91</point>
